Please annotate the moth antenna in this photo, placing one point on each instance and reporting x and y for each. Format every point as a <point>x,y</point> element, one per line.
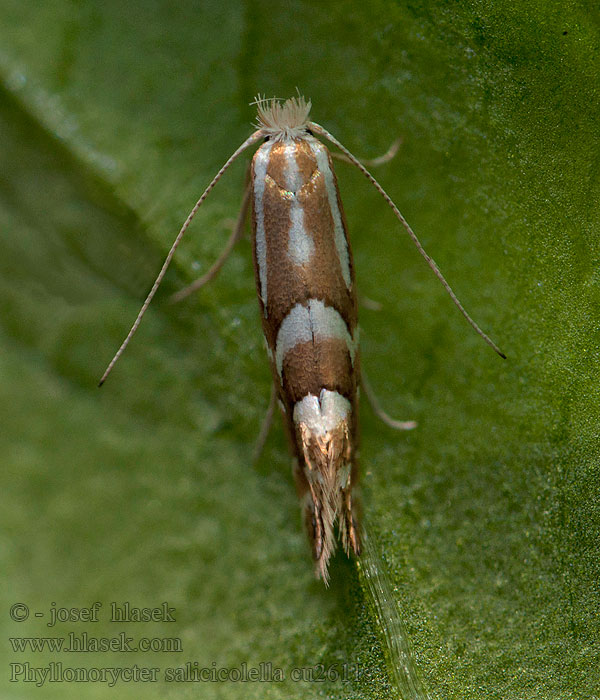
<point>247,143</point>
<point>318,129</point>
<point>235,236</point>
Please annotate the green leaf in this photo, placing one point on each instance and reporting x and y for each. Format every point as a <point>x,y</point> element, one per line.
<point>113,117</point>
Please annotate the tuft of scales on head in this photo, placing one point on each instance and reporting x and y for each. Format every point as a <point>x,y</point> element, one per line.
<point>283,122</point>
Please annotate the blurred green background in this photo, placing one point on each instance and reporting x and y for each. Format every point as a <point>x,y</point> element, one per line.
<point>113,118</point>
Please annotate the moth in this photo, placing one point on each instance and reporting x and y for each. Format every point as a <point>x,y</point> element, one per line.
<point>306,289</point>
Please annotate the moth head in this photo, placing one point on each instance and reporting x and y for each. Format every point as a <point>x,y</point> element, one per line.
<point>283,122</point>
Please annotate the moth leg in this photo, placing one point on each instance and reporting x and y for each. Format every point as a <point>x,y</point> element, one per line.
<point>235,236</point>
<point>374,162</point>
<point>265,427</point>
<point>379,412</point>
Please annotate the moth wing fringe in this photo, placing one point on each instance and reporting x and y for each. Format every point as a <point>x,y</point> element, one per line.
<point>327,458</point>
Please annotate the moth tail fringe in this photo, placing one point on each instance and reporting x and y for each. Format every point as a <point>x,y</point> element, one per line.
<point>327,458</point>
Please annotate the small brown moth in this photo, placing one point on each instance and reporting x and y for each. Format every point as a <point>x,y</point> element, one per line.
<point>306,291</point>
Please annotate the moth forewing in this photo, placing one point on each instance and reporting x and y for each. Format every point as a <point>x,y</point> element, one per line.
<point>305,284</point>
